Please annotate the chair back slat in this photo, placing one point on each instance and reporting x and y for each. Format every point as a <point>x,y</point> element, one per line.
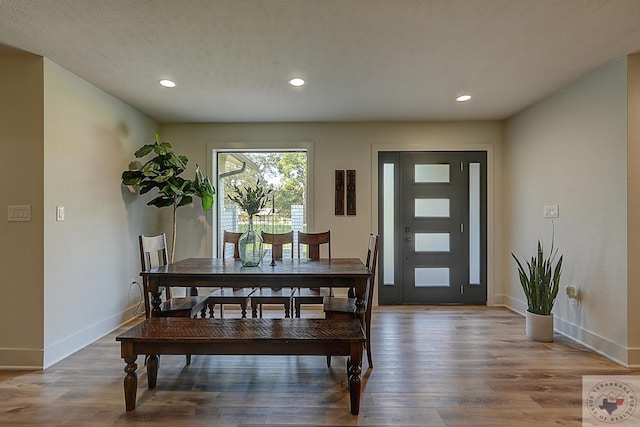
<point>232,238</point>
<point>277,241</point>
<point>372,257</point>
<point>372,261</point>
<point>313,242</point>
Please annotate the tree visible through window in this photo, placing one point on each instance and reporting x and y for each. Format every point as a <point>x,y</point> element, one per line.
<point>285,172</point>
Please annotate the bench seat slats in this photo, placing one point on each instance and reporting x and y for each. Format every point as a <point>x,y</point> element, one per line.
<point>183,329</point>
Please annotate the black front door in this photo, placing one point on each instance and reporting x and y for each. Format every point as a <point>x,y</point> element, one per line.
<point>437,230</point>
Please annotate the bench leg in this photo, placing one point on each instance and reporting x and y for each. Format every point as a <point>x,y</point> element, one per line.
<point>130,383</point>
<point>354,369</point>
<point>152,370</point>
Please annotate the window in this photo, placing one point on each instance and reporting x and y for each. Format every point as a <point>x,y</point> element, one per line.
<point>285,172</point>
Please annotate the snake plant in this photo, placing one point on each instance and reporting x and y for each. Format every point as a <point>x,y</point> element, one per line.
<point>540,280</point>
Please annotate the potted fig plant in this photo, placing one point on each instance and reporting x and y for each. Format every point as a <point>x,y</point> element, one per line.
<point>540,282</point>
<point>162,173</point>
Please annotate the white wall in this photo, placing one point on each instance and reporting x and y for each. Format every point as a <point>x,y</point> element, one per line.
<point>570,149</point>
<point>21,128</point>
<point>91,256</point>
<point>335,146</point>
<point>633,207</point>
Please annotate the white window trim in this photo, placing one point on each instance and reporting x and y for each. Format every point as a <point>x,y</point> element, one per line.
<point>214,147</point>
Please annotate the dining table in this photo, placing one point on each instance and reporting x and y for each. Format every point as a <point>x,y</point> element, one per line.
<point>229,272</point>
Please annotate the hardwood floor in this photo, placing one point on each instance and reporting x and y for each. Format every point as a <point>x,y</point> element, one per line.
<point>434,366</point>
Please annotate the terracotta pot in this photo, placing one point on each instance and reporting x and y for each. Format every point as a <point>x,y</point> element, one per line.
<point>539,327</point>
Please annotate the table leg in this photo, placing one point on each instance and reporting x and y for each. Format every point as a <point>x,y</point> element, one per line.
<point>152,370</point>
<point>361,290</point>
<point>156,300</point>
<point>354,369</point>
<point>130,382</point>
<point>243,307</point>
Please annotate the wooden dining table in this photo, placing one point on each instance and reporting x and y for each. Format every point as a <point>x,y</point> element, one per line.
<point>229,272</point>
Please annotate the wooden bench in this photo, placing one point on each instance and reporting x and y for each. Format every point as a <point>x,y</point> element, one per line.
<point>175,335</point>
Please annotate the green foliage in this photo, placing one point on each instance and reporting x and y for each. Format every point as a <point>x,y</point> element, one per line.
<point>250,199</point>
<point>162,172</point>
<point>286,171</point>
<point>541,280</point>
<point>292,167</point>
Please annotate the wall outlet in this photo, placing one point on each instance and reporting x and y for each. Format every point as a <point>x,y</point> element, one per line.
<point>550,211</point>
<point>573,294</point>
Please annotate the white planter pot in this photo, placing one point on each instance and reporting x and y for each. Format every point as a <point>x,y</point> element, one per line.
<point>539,327</point>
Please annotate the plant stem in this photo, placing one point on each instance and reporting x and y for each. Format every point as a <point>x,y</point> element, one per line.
<point>173,233</point>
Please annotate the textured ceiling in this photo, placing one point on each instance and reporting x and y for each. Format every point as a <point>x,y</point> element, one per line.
<point>362,59</point>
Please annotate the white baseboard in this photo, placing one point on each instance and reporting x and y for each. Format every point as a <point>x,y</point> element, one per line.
<point>592,341</point>
<point>21,359</point>
<point>57,351</point>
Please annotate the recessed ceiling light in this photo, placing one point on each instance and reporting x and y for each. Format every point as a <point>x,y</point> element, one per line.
<point>463,98</point>
<point>297,82</point>
<point>167,83</point>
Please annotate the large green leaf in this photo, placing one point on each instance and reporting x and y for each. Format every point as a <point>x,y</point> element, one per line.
<point>186,200</point>
<point>131,177</point>
<point>144,150</point>
<point>207,202</point>
<point>161,202</point>
<point>162,148</point>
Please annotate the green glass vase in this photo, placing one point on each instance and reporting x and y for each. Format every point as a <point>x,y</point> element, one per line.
<point>250,246</point>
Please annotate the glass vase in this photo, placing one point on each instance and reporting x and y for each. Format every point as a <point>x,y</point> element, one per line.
<point>250,246</point>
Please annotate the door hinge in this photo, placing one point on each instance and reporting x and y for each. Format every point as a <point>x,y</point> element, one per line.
<point>461,166</point>
<point>461,289</point>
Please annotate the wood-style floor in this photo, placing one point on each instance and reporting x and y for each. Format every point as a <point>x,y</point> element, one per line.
<point>434,366</point>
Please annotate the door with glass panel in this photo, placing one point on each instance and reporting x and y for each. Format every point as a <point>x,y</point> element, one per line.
<point>433,227</point>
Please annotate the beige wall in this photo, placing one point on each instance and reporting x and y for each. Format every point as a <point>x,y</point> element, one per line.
<point>570,149</point>
<point>91,256</point>
<point>65,143</point>
<point>334,146</point>
<point>21,174</point>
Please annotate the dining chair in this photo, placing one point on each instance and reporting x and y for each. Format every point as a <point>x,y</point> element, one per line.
<point>337,308</point>
<point>153,253</point>
<point>274,295</point>
<point>312,242</point>
<point>228,295</point>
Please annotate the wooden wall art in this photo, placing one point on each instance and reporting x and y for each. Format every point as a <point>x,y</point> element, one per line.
<point>351,192</point>
<point>339,188</point>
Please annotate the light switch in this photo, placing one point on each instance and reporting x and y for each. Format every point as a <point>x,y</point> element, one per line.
<point>59,213</point>
<point>19,213</point>
<point>551,211</point>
